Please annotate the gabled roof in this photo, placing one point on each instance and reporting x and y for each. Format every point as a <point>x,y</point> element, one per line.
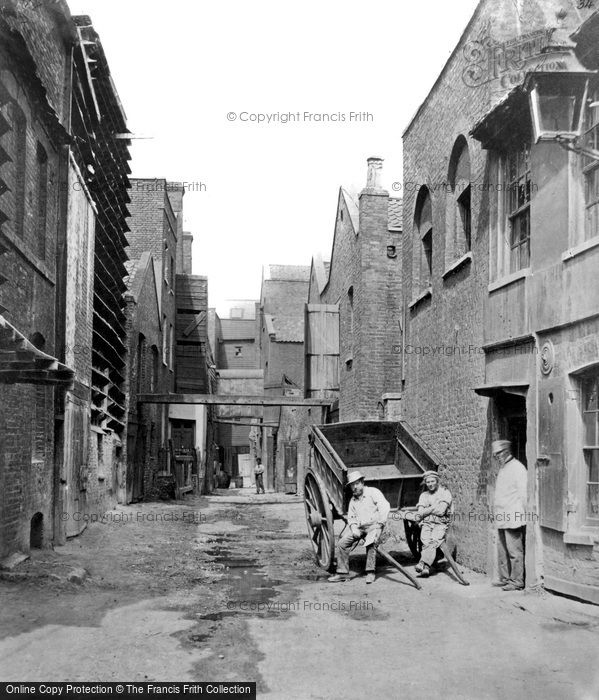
<point>138,269</point>
<point>288,329</point>
<point>351,199</point>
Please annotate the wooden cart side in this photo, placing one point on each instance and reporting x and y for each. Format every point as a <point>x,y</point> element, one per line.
<point>325,462</point>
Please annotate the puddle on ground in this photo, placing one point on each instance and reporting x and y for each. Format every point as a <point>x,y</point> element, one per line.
<point>217,616</point>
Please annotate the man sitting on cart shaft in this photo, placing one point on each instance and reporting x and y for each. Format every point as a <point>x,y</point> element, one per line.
<point>434,511</point>
<point>366,518</point>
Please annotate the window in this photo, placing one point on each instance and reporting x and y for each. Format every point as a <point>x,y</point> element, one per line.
<point>140,362</point>
<point>590,167</point>
<point>165,343</point>
<point>16,142</point>
<point>423,260</point>
<point>171,346</point>
<point>154,375</point>
<point>350,299</point>
<point>517,207</point>
<point>426,265</point>
<point>42,199</point>
<point>458,220</point>
<point>590,418</point>
<point>167,258</point>
<point>238,351</point>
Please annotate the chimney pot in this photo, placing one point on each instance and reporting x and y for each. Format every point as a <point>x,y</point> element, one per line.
<point>373,178</point>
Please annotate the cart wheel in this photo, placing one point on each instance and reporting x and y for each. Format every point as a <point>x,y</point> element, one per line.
<point>413,537</point>
<point>319,516</point>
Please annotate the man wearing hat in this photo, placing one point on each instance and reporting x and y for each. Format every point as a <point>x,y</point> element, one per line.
<point>434,509</point>
<point>509,515</point>
<point>366,518</point>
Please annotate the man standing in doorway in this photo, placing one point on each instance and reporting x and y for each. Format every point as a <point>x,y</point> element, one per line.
<point>259,475</point>
<point>509,513</point>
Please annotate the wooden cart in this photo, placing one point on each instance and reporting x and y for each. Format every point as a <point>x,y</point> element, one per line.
<point>392,459</point>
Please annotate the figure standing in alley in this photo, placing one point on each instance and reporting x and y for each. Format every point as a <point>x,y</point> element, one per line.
<point>259,474</point>
<point>366,518</point>
<point>434,510</point>
<point>509,514</point>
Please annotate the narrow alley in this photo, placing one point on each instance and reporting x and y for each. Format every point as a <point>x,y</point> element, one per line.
<point>225,587</point>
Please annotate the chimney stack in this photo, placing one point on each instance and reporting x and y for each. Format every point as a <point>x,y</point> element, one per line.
<point>373,178</point>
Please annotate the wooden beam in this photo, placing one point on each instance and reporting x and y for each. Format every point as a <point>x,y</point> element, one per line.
<point>231,400</point>
<point>196,321</point>
<point>251,425</point>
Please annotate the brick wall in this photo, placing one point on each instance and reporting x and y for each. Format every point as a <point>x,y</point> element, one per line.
<point>28,237</point>
<point>366,284</point>
<point>145,422</point>
<point>153,227</point>
<point>439,401</point>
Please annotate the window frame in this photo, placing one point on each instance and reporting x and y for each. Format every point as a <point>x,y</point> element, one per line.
<point>590,166</point>
<point>502,267</point>
<point>587,448</point>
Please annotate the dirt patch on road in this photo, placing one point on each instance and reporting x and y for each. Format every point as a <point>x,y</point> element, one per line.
<point>216,567</point>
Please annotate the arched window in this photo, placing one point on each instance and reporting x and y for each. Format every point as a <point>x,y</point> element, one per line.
<point>42,199</point>
<point>459,226</point>
<point>423,251</point>
<point>155,367</point>
<point>15,145</point>
<point>140,360</point>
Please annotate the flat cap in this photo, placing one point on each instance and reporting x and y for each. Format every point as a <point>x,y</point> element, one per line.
<point>499,445</point>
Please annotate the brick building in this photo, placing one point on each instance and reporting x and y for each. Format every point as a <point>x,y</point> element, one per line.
<point>282,307</point>
<point>147,373</point>
<point>234,337</point>
<point>92,434</point>
<point>34,103</point>
<point>355,306</point>
<point>154,224</point>
<point>499,274</point>
<point>168,342</point>
<point>63,205</point>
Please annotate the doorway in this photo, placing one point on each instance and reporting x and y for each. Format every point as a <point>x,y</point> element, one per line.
<point>510,410</point>
<point>183,435</point>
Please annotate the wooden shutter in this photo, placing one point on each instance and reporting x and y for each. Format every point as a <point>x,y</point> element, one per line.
<point>322,350</point>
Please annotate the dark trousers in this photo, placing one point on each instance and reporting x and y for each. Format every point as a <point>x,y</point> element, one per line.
<point>346,542</point>
<point>510,548</point>
<point>259,483</point>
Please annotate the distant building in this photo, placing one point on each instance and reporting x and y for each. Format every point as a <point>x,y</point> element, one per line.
<point>236,351</point>
<point>282,309</point>
<point>168,343</point>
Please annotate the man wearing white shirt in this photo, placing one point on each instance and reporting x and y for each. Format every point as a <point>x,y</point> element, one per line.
<point>509,514</point>
<point>366,517</point>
